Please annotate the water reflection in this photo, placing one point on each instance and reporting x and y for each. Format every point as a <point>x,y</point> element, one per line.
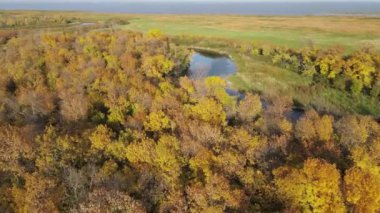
<point>203,65</point>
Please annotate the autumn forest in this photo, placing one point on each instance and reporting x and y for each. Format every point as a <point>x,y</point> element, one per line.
<point>103,119</point>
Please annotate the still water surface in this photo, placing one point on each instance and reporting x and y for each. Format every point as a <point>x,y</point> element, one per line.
<point>203,65</point>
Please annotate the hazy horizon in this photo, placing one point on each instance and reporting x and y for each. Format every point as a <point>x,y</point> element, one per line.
<point>179,1</point>
<point>252,7</point>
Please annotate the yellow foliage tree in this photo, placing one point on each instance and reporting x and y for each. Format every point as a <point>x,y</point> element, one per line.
<point>312,128</point>
<point>361,66</point>
<point>314,188</point>
<point>168,158</point>
<point>362,190</point>
<point>118,109</point>
<point>208,110</point>
<point>216,88</point>
<point>324,127</point>
<point>157,121</point>
<point>154,33</point>
<point>157,66</point>
<point>38,195</point>
<point>100,138</point>
<point>141,152</point>
<point>368,157</point>
<point>201,164</point>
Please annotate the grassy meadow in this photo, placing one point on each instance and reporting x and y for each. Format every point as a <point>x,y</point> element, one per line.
<point>350,32</point>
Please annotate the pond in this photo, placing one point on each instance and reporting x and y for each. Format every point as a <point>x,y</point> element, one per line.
<point>203,64</point>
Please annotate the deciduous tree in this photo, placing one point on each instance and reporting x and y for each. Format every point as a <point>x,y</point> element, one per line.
<point>313,188</point>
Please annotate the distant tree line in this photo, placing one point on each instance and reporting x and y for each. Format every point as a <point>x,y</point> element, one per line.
<point>10,20</point>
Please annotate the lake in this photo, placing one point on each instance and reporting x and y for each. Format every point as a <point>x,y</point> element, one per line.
<point>185,7</point>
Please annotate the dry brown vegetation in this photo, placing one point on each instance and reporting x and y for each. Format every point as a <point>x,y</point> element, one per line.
<point>328,24</point>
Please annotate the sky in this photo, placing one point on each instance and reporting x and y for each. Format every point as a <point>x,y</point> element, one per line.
<point>105,1</point>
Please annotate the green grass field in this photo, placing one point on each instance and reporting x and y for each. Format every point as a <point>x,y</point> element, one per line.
<point>349,32</point>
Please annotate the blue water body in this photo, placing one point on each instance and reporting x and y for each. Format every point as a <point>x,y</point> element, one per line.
<point>202,65</point>
<point>239,8</point>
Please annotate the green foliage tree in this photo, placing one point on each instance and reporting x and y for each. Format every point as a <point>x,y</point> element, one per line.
<point>356,87</point>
